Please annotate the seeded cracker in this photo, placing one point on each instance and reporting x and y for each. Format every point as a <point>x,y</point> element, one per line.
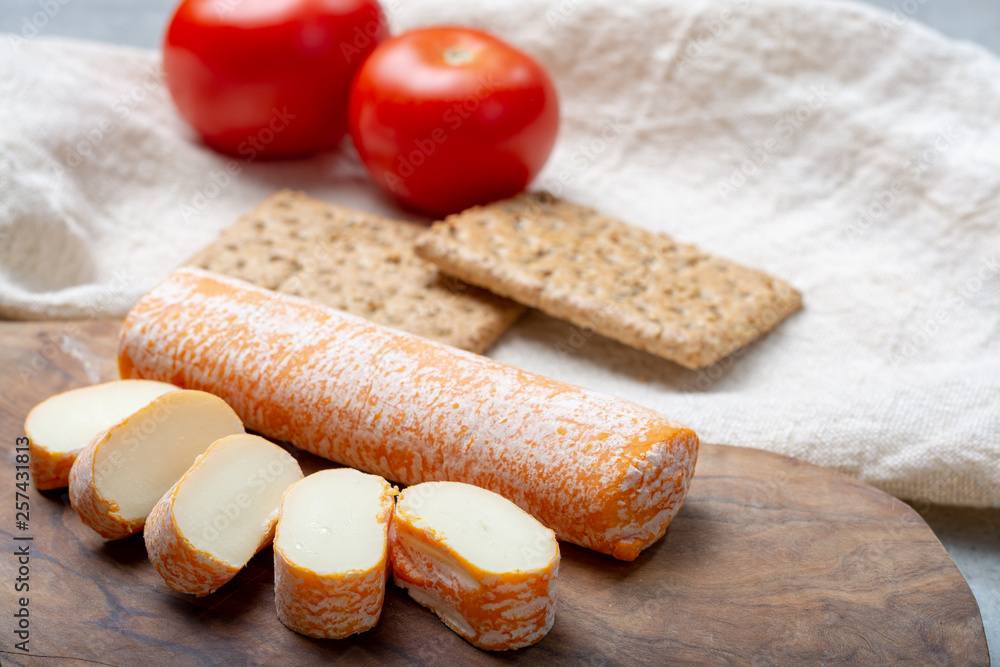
<point>358,262</point>
<point>627,283</point>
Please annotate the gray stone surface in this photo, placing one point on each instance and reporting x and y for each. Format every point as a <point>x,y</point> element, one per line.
<point>134,23</point>
<point>141,23</point>
<point>972,537</point>
<point>972,20</point>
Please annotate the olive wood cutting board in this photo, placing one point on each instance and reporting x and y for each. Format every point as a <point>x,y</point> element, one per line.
<point>771,561</point>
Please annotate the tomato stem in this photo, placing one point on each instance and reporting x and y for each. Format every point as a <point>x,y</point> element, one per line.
<point>457,56</point>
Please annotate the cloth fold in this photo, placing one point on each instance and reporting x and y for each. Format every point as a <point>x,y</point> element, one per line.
<point>851,153</point>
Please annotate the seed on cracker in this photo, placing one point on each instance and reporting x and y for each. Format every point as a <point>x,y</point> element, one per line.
<point>358,262</point>
<point>635,286</point>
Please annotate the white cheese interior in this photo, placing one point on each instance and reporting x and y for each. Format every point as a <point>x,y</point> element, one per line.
<point>481,526</point>
<point>69,421</point>
<point>146,455</point>
<point>329,522</point>
<point>227,502</point>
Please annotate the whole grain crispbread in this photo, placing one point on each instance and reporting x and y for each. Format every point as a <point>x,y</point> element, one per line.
<point>358,262</point>
<point>635,286</point>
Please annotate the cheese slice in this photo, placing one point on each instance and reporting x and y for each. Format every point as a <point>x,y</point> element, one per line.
<point>118,478</point>
<point>483,565</point>
<point>220,513</point>
<point>60,427</point>
<point>331,553</point>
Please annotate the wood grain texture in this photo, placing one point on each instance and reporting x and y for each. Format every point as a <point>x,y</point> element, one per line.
<point>771,561</point>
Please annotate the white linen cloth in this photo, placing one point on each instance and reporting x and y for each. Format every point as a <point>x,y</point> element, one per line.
<point>850,151</point>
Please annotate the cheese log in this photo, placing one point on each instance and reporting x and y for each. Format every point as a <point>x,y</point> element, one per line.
<point>60,427</point>
<point>602,472</point>
<point>118,478</point>
<point>482,564</point>
<point>331,553</point>
<point>219,513</point>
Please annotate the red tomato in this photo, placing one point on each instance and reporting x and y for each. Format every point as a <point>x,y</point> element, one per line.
<point>446,118</point>
<point>268,77</point>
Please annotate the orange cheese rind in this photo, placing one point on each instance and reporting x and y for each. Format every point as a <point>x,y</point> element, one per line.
<point>332,605</point>
<point>94,509</point>
<point>650,491</point>
<point>602,472</point>
<point>49,470</point>
<point>492,610</point>
<point>184,568</point>
<point>187,567</point>
<point>327,607</point>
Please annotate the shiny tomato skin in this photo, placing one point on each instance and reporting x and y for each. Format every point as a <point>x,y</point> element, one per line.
<point>268,78</point>
<point>445,118</point>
